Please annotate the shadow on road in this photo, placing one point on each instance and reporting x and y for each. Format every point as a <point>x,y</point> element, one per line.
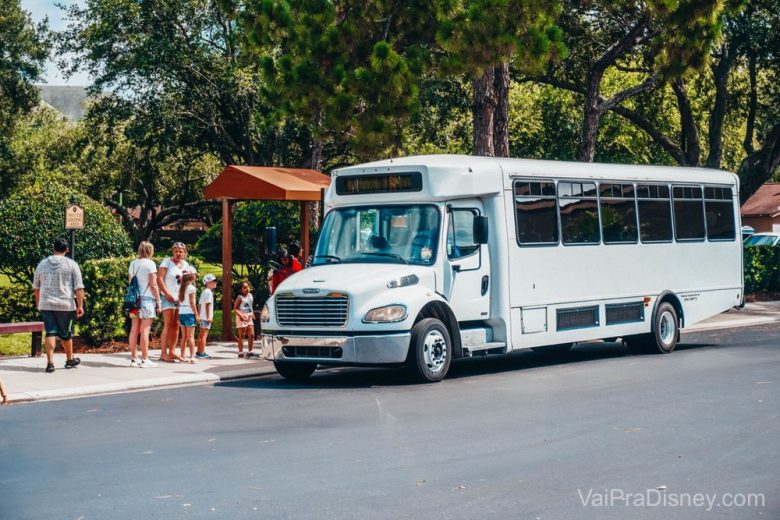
<point>356,377</point>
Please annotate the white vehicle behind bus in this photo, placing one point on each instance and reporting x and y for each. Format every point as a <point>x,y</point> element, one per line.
<point>422,260</point>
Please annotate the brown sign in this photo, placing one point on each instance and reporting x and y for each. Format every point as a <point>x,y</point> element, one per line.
<point>74,217</point>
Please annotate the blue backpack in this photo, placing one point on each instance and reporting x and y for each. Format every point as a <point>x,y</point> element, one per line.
<point>132,301</point>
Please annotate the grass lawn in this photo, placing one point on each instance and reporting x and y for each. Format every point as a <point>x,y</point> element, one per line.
<point>15,344</point>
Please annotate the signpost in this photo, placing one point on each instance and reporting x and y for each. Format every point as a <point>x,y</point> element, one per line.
<point>74,219</point>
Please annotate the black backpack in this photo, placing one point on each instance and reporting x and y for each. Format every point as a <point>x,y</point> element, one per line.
<point>132,301</point>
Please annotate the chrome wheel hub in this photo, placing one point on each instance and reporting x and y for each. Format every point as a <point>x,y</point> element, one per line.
<point>435,351</point>
<point>667,329</point>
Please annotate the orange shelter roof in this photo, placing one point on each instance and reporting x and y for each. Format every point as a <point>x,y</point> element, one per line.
<point>267,183</point>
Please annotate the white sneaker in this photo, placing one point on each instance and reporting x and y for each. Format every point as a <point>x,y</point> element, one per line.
<point>135,362</point>
<point>147,364</point>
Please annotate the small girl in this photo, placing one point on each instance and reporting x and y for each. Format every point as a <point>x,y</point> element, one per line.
<point>188,313</point>
<point>244,319</point>
<point>206,314</point>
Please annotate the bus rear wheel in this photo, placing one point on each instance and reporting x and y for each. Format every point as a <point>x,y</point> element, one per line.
<point>430,351</point>
<point>663,339</point>
<point>295,371</point>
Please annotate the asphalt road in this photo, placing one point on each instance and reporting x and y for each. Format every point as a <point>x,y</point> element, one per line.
<point>525,437</point>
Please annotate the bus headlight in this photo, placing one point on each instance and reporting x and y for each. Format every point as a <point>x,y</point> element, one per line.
<point>265,314</point>
<point>387,314</point>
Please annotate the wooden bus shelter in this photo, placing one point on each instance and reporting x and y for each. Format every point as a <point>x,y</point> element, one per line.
<point>237,183</point>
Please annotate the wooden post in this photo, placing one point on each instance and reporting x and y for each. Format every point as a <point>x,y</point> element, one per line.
<point>305,229</point>
<point>227,269</point>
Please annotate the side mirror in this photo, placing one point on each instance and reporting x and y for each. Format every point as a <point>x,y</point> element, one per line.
<point>481,230</point>
<point>269,241</point>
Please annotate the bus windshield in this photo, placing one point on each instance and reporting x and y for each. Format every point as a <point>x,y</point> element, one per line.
<point>379,234</point>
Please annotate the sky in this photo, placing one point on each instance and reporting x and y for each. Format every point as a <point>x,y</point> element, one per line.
<point>39,9</point>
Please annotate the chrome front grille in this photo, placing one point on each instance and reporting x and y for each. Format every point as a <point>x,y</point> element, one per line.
<point>317,311</point>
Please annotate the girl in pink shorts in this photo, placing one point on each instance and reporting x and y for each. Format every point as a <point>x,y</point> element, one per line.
<point>243,307</point>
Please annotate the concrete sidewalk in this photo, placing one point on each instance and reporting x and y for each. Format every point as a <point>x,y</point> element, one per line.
<point>25,380</point>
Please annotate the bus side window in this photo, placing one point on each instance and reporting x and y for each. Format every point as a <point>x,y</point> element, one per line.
<point>536,212</point>
<point>655,213</point>
<point>719,206</point>
<point>688,212</point>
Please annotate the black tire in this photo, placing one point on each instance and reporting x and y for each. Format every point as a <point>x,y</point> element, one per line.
<point>430,351</point>
<point>295,371</point>
<point>663,339</point>
<point>553,349</point>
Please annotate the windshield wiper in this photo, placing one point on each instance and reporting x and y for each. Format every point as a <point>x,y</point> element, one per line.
<point>329,257</point>
<point>390,255</point>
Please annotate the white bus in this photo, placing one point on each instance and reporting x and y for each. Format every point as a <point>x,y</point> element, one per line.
<point>425,259</point>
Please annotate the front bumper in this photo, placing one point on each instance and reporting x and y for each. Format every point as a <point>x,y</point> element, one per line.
<point>335,350</point>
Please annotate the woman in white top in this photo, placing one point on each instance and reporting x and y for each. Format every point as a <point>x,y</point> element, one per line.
<point>145,271</point>
<point>169,280</point>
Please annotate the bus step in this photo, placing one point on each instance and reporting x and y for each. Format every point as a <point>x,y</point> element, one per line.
<point>496,347</point>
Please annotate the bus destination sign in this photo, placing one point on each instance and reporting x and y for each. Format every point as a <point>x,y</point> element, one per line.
<point>381,183</point>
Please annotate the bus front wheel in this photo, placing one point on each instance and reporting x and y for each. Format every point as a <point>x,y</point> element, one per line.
<point>663,339</point>
<point>430,351</point>
<point>295,371</point>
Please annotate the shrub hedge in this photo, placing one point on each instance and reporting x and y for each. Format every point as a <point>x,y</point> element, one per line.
<point>762,269</point>
<point>17,304</point>
<point>105,282</point>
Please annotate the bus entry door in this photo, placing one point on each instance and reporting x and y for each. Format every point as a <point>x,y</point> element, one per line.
<point>467,268</point>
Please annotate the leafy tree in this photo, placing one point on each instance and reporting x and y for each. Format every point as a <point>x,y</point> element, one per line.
<point>46,147</point>
<point>180,72</point>
<point>482,38</point>
<point>649,41</point>
<point>31,219</point>
<point>24,47</point>
<point>348,70</point>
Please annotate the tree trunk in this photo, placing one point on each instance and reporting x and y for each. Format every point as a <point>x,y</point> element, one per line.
<point>483,110</point>
<point>501,114</point>
<point>689,134</point>
<point>591,120</point>
<point>750,127</point>
<point>718,114</point>
<point>758,167</point>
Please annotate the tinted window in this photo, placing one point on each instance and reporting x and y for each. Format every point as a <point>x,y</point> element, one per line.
<point>719,208</point>
<point>460,234</point>
<point>688,213</point>
<point>579,212</point>
<point>537,218</point>
<point>618,213</point>
<point>655,213</point>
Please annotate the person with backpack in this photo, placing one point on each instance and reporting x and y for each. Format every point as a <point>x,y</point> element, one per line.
<point>142,301</point>
<point>59,295</point>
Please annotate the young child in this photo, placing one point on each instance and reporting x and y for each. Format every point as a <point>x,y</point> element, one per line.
<point>244,320</point>
<point>206,314</point>
<point>188,313</point>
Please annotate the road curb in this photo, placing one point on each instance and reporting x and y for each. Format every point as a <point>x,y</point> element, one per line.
<point>730,324</point>
<point>132,386</point>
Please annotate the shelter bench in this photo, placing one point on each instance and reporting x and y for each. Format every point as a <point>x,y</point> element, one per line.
<point>36,327</point>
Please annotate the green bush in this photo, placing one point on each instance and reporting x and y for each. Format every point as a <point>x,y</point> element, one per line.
<point>17,304</point>
<point>762,269</point>
<point>30,220</point>
<point>105,282</point>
